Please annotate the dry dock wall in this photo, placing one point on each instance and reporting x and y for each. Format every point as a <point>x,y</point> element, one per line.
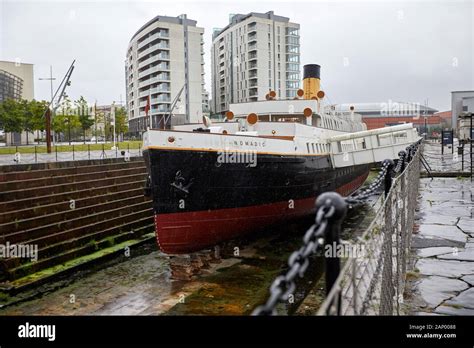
<point>70,209</point>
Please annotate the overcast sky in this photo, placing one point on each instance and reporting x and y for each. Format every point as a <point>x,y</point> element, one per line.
<point>368,51</point>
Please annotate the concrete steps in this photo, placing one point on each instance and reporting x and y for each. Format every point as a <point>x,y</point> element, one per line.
<point>65,179</point>
<point>65,197</point>
<point>108,208</point>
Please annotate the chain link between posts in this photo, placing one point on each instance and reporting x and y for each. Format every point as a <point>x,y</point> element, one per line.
<point>315,237</point>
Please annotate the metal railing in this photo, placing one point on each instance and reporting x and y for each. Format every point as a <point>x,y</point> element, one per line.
<point>373,281</point>
<point>62,153</point>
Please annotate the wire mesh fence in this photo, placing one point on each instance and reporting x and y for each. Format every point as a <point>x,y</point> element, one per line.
<point>372,282</point>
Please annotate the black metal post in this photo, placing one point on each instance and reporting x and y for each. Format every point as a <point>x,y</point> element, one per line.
<point>470,140</point>
<point>333,265</point>
<point>426,129</point>
<point>408,154</point>
<point>89,150</point>
<point>73,153</point>
<point>461,152</point>
<point>452,141</point>
<point>442,142</point>
<point>69,128</point>
<point>36,156</point>
<point>402,155</point>
<point>56,149</point>
<point>388,177</point>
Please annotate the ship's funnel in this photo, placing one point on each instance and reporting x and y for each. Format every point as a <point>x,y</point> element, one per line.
<point>311,81</point>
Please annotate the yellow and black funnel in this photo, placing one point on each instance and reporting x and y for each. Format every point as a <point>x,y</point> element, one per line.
<point>311,81</point>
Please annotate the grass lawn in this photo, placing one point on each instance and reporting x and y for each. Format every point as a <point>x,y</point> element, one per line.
<point>10,150</point>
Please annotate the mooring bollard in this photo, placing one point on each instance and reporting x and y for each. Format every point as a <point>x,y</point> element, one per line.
<point>332,232</point>
<point>388,176</point>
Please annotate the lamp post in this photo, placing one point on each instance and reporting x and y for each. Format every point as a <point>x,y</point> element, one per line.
<point>49,114</point>
<point>112,111</point>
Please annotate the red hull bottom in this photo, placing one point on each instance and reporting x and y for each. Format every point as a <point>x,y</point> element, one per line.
<point>186,232</point>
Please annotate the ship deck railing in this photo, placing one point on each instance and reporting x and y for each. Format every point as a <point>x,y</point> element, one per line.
<point>371,146</point>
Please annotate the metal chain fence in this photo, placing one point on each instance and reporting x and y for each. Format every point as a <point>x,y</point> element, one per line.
<point>373,282</point>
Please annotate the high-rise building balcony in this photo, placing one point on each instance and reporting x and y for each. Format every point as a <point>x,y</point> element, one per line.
<point>158,35</point>
<point>292,32</point>
<point>161,88</point>
<point>253,92</point>
<point>253,74</point>
<point>160,108</point>
<point>252,46</point>
<point>252,37</point>
<point>156,68</point>
<point>152,59</point>
<point>159,78</point>
<point>252,55</point>
<point>159,46</point>
<point>252,65</point>
<point>252,27</point>
<point>162,98</point>
<point>253,83</point>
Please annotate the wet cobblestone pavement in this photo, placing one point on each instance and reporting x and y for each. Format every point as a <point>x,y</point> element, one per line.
<point>442,280</point>
<point>449,161</point>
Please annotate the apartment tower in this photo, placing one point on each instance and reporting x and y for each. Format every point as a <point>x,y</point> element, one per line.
<point>255,53</point>
<point>164,60</point>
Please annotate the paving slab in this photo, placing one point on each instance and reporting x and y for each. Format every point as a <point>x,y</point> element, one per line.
<point>443,250</point>
<point>467,255</point>
<point>464,299</point>
<point>442,231</point>
<point>429,252</point>
<point>469,279</point>
<point>421,242</point>
<point>444,268</point>
<point>467,225</point>
<point>450,310</point>
<point>434,290</point>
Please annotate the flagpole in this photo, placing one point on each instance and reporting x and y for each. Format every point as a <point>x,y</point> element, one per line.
<point>149,110</point>
<point>95,118</point>
<point>113,115</point>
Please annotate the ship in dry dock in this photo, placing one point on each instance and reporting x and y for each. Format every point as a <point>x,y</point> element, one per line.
<point>265,164</point>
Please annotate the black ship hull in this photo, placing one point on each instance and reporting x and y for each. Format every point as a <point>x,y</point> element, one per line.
<point>200,201</point>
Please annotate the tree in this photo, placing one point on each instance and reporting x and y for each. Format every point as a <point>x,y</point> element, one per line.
<point>65,119</point>
<point>121,125</point>
<point>84,118</point>
<point>10,116</point>
<point>37,110</point>
<point>26,119</point>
